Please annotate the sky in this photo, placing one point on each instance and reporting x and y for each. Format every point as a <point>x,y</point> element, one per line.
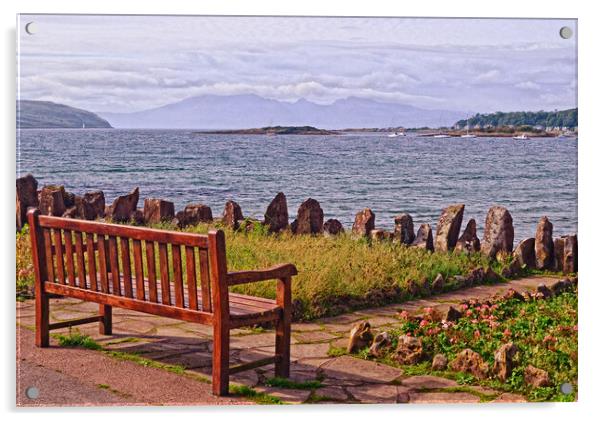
<point>133,63</point>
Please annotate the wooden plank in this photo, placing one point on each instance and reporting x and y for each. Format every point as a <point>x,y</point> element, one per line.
<point>114,264</point>
<point>133,304</point>
<point>176,260</point>
<point>102,264</point>
<point>126,267</point>
<point>91,256</point>
<point>193,302</point>
<point>69,257</point>
<point>139,270</point>
<point>60,263</point>
<point>74,322</point>
<point>221,312</point>
<point>252,364</point>
<point>42,338</point>
<point>48,252</point>
<point>252,319</point>
<point>275,272</point>
<point>205,280</point>
<point>79,258</point>
<point>283,327</point>
<point>135,233</point>
<point>164,270</point>
<point>253,298</point>
<point>152,271</point>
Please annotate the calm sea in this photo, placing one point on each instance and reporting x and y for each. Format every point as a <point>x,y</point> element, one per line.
<point>344,173</point>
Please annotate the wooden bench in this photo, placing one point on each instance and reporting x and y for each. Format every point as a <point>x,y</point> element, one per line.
<point>116,266</point>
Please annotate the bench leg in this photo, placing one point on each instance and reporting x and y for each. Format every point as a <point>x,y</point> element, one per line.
<point>221,359</point>
<point>42,320</point>
<point>283,328</point>
<point>106,324</point>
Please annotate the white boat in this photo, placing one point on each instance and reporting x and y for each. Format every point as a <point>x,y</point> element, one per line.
<point>396,134</point>
<point>521,137</point>
<point>469,136</point>
<point>441,136</point>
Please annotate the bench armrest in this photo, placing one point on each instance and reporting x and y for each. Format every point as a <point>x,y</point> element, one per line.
<point>275,272</point>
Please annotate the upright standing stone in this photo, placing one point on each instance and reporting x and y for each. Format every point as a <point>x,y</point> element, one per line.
<point>569,264</point>
<point>524,253</point>
<point>333,227</point>
<point>276,216</point>
<point>448,228</point>
<point>404,229</point>
<point>424,237</point>
<point>52,201</point>
<point>193,215</point>
<point>310,218</point>
<point>364,223</point>
<point>469,241</point>
<point>544,244</point>
<point>499,232</point>
<point>232,215</point>
<point>123,207</point>
<point>27,196</point>
<point>558,254</point>
<point>158,210</point>
<point>94,205</point>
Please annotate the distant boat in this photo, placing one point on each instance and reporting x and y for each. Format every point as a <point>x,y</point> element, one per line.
<point>441,136</point>
<point>521,137</point>
<point>396,134</point>
<point>468,136</point>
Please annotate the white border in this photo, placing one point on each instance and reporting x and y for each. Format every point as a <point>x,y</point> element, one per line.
<point>589,192</point>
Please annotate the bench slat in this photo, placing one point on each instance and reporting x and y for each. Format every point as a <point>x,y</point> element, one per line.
<point>79,254</point>
<point>152,271</point>
<point>126,267</point>
<point>139,270</point>
<point>60,264</point>
<point>193,302</point>
<point>164,269</point>
<point>102,264</point>
<point>205,280</point>
<point>135,233</point>
<point>176,260</point>
<point>114,265</point>
<point>69,257</point>
<point>48,254</point>
<point>91,256</point>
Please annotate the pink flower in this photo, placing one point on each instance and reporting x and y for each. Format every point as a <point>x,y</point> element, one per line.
<point>428,310</point>
<point>474,321</point>
<point>507,333</point>
<point>468,312</point>
<point>464,307</point>
<point>575,328</point>
<point>477,334</point>
<point>404,315</point>
<point>424,323</point>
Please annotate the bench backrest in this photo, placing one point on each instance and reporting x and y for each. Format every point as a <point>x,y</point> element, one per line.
<point>151,265</point>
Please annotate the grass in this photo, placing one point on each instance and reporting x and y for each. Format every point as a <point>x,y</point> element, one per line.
<point>336,275</point>
<point>255,396</point>
<point>77,339</point>
<point>544,331</point>
<point>290,384</point>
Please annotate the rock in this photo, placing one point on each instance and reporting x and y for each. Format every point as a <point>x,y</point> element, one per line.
<point>512,269</point>
<point>569,264</point>
<point>468,361</point>
<point>333,227</point>
<point>310,218</point>
<point>448,228</point>
<point>294,226</point>
<point>439,362</point>
<point>424,237</point>
<point>27,196</point>
<point>380,235</point>
<point>513,294</point>
<point>504,361</point>
<point>250,224</point>
<point>380,342</point>
<point>413,288</point>
<point>404,229</point>
<point>409,350</point>
<point>476,276</point>
<point>544,291</point>
<point>123,207</point>
<point>469,241</point>
<point>524,253</point>
<point>158,210</point>
<point>544,244</point>
<point>364,223</point>
<point>52,200</point>
<point>359,337</point>
<point>560,286</point>
<point>72,212</point>
<point>232,215</point>
<point>452,314</point>
<point>438,283</point>
<point>93,204</point>
<point>558,263</point>
<point>194,215</point>
<point>536,377</point>
<point>276,216</point>
<point>499,232</point>
<point>492,276</point>
<point>137,217</point>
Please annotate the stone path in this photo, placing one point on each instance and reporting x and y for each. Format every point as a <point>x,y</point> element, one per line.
<point>345,379</point>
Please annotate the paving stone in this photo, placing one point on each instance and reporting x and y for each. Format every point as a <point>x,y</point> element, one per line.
<point>332,393</point>
<point>428,382</point>
<point>313,336</point>
<point>134,326</point>
<point>443,397</point>
<point>340,343</point>
<point>62,315</point>
<point>252,354</point>
<point>510,398</point>
<point>305,327</point>
<point>189,360</point>
<point>248,378</point>
<point>376,322</point>
<point>253,341</point>
<point>352,370</point>
<point>299,372</point>
<point>286,395</point>
<point>374,393</point>
<point>319,350</point>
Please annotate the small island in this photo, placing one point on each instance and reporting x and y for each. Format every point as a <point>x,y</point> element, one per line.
<point>275,130</point>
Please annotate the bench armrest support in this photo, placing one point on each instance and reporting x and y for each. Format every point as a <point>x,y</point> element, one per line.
<point>275,272</point>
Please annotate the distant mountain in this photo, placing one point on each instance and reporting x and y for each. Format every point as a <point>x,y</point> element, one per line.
<point>247,111</point>
<point>49,115</point>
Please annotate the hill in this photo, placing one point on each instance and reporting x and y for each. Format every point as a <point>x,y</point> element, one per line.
<point>215,112</point>
<point>565,118</point>
<point>49,115</point>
